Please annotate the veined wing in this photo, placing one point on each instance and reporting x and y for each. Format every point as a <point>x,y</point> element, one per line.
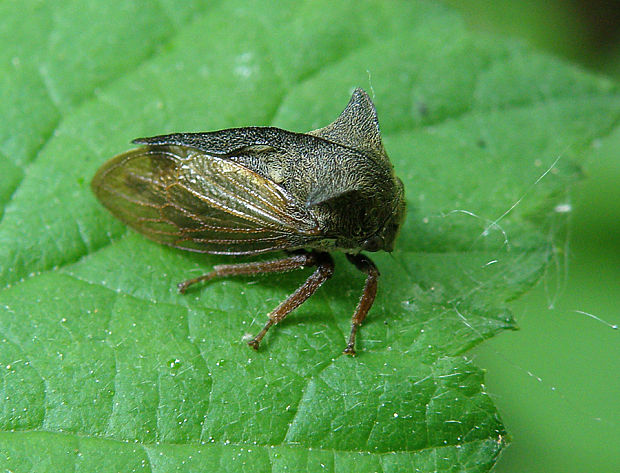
<point>185,198</point>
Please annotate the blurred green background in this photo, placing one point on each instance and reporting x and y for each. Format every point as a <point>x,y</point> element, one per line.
<point>556,381</point>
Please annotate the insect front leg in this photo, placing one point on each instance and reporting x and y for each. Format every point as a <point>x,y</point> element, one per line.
<point>295,261</point>
<point>364,264</point>
<point>324,271</point>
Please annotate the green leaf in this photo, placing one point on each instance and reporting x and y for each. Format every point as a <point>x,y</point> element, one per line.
<point>103,366</point>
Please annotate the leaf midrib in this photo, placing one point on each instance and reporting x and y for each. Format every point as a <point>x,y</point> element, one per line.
<point>226,443</point>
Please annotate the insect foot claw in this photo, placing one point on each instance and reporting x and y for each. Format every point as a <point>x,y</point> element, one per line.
<point>182,287</point>
<point>254,344</point>
<point>350,350</point>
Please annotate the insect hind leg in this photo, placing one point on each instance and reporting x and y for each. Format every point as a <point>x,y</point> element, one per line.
<point>297,260</point>
<point>324,271</point>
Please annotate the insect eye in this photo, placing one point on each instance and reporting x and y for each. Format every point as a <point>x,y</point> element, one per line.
<point>374,243</point>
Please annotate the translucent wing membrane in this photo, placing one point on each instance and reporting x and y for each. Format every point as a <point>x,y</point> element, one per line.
<point>185,198</point>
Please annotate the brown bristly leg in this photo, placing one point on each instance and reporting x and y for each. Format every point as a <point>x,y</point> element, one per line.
<point>289,263</point>
<point>364,264</point>
<point>324,271</point>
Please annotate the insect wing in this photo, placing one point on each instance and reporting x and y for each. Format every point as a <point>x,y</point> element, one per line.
<point>185,198</point>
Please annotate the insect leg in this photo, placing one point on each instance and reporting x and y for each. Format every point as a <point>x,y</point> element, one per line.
<point>364,264</point>
<point>295,261</point>
<point>324,271</point>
